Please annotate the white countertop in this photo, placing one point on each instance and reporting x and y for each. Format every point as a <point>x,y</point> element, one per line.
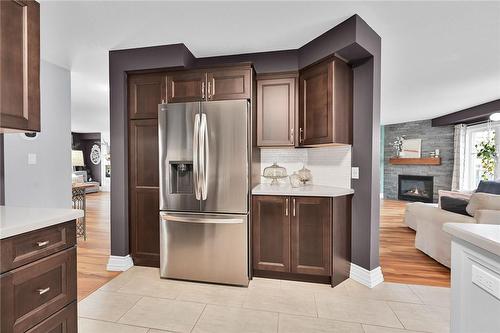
<point>18,220</point>
<point>485,236</point>
<point>303,191</point>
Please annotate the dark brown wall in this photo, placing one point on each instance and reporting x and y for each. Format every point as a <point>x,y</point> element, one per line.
<point>84,142</point>
<point>352,40</point>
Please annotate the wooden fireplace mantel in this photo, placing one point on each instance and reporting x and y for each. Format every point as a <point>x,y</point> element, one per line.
<point>415,161</point>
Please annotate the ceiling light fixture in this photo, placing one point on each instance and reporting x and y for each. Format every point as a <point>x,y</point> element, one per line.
<point>495,116</point>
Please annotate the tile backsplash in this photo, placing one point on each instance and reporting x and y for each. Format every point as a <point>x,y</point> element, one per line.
<point>329,165</point>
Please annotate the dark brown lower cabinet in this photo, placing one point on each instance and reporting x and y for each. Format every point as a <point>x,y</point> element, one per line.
<point>40,294</point>
<point>271,233</point>
<point>311,235</point>
<point>144,192</point>
<point>302,238</point>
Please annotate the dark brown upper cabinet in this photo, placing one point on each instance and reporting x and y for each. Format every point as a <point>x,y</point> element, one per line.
<point>325,104</point>
<point>145,92</point>
<point>276,105</point>
<point>271,233</point>
<point>186,86</point>
<point>311,239</point>
<point>20,66</point>
<point>224,84</point>
<point>209,85</point>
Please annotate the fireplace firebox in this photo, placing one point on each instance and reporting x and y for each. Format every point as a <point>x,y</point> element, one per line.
<point>416,188</point>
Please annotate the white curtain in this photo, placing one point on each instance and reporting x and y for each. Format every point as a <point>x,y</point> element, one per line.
<point>457,182</point>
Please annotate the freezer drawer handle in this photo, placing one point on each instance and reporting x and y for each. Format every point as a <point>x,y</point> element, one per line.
<point>177,218</point>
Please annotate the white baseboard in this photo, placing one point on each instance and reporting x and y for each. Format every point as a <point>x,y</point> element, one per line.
<point>366,277</point>
<point>119,263</point>
<point>381,195</point>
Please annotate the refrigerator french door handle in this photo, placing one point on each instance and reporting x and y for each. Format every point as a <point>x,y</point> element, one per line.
<point>196,136</point>
<point>205,146</point>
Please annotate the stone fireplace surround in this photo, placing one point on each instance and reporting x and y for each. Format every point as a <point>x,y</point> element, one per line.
<point>432,138</point>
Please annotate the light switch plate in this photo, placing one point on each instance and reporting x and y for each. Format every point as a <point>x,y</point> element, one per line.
<point>486,281</point>
<point>355,172</point>
<point>31,158</point>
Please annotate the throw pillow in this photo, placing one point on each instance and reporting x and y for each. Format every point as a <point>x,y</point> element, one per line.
<point>464,195</point>
<point>454,205</point>
<point>483,201</point>
<point>488,186</point>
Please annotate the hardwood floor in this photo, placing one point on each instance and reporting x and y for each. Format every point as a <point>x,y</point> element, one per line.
<point>92,254</point>
<point>400,260</point>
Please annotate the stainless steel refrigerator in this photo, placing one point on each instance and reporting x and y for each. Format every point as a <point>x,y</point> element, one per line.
<point>204,191</point>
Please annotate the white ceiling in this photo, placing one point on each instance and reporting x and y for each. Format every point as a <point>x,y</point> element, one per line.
<point>437,57</point>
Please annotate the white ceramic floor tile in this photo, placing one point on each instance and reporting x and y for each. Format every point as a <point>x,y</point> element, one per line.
<point>152,330</point>
<point>214,294</point>
<point>427,318</point>
<point>164,314</point>
<point>396,292</point>
<point>439,296</point>
<point>301,324</point>
<point>97,326</point>
<point>154,287</point>
<point>222,319</point>
<point>381,329</point>
<point>132,273</point>
<point>305,286</point>
<point>262,283</point>
<point>105,305</point>
<point>358,310</point>
<point>285,301</point>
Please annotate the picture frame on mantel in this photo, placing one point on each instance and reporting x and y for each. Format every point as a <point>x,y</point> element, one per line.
<point>411,148</point>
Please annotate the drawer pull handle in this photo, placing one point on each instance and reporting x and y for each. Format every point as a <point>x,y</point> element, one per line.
<point>43,291</point>
<point>40,244</point>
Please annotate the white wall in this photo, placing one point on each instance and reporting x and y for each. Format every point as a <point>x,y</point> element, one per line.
<point>329,166</point>
<point>48,182</point>
<point>105,181</point>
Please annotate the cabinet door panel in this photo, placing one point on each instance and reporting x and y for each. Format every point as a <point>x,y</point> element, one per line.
<point>271,233</point>
<point>144,192</point>
<point>316,108</point>
<point>229,84</point>
<point>145,92</point>
<point>276,111</point>
<point>186,86</point>
<point>20,65</point>
<point>311,235</point>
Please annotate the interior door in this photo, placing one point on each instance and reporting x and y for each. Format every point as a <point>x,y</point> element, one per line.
<point>224,162</point>
<point>177,124</point>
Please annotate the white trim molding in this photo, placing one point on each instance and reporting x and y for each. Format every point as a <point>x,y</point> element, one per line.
<point>119,263</point>
<point>366,277</point>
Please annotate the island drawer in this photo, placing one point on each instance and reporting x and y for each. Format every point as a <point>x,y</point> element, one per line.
<point>25,248</point>
<point>34,292</point>
<point>63,321</point>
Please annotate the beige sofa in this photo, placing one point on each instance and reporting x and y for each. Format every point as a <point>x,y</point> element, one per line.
<point>428,220</point>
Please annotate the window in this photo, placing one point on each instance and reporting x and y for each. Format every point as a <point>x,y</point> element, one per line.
<point>473,170</point>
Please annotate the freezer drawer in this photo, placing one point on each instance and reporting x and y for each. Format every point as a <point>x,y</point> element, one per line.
<point>204,247</point>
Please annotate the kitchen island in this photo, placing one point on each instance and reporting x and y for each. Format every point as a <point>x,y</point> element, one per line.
<point>301,233</point>
<point>475,277</point>
<point>38,269</point>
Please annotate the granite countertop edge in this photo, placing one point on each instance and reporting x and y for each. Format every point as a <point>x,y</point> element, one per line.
<point>19,220</point>
<point>306,190</point>
<point>484,236</point>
